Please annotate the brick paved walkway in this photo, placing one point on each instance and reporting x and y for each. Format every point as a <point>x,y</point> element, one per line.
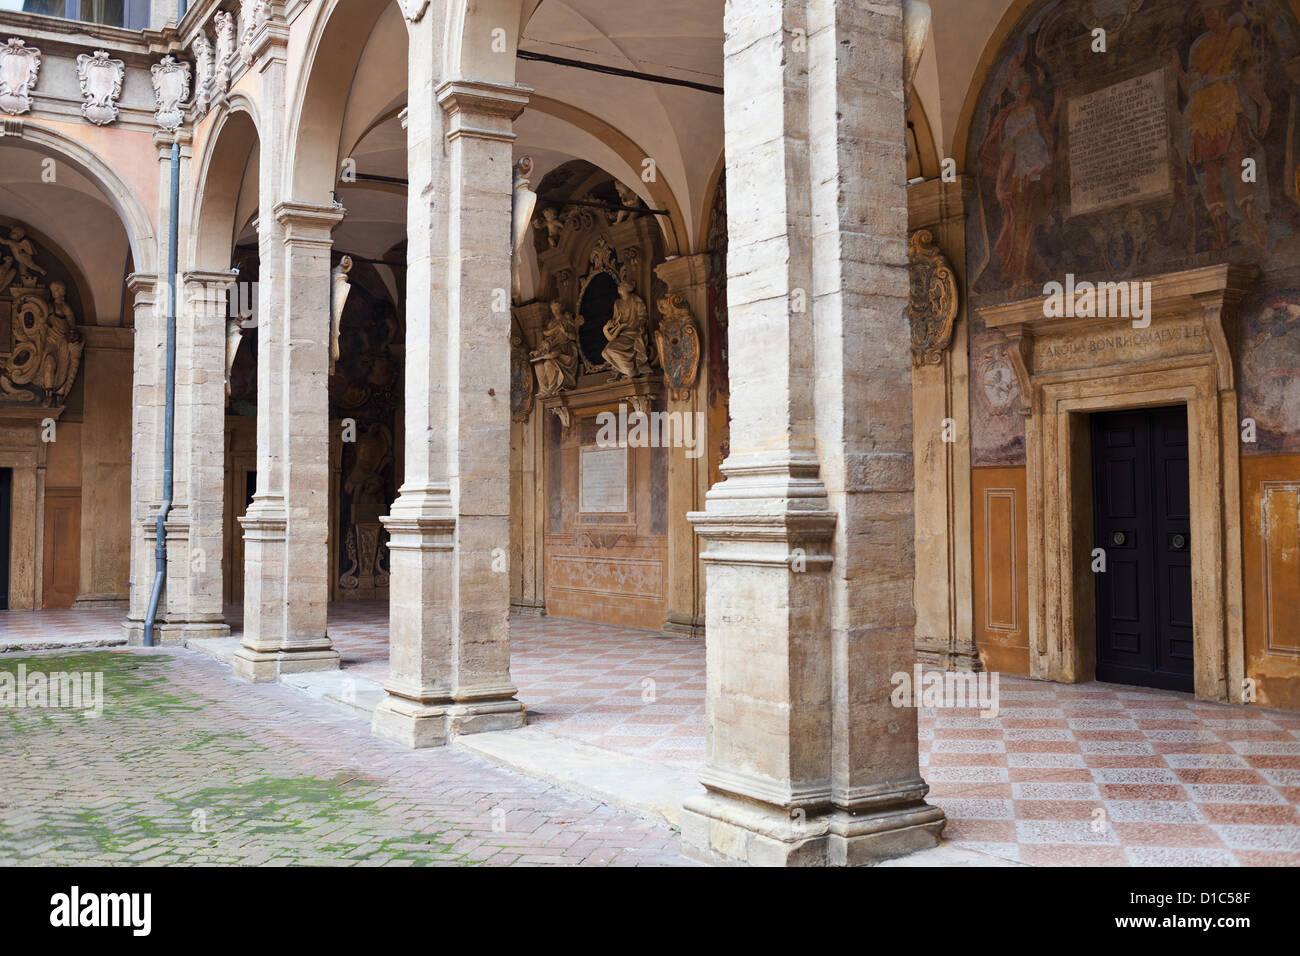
<point>188,766</point>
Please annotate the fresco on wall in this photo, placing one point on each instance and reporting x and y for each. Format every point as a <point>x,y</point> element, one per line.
<point>1179,147</point>
<point>1130,162</point>
<point>1270,371</point>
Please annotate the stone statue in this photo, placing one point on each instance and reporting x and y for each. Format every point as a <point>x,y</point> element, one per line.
<point>626,332</point>
<point>553,225</point>
<point>21,248</point>
<point>628,197</point>
<point>366,486</point>
<point>202,72</point>
<point>225,27</point>
<point>556,357</point>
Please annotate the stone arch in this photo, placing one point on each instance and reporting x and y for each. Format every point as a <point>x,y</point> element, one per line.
<point>338,37</point>
<point>219,179</point>
<point>136,220</point>
<point>471,26</point>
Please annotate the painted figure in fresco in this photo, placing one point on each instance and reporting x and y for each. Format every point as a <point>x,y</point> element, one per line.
<point>556,356</point>
<point>1017,155</point>
<point>626,332</point>
<point>1227,115</point>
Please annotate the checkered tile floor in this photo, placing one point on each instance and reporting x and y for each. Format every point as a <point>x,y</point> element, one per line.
<point>1064,774</point>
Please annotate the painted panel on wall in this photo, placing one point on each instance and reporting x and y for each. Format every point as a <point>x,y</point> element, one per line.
<point>1000,560</point>
<point>1270,486</point>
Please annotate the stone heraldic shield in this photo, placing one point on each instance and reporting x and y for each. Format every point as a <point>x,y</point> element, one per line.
<point>101,85</point>
<point>20,66</point>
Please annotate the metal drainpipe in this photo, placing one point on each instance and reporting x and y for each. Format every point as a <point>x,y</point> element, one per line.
<point>169,426</point>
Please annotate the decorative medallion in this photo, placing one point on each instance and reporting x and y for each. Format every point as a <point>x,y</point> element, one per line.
<point>101,85</point>
<point>171,85</point>
<point>20,65</point>
<point>678,342</point>
<point>932,306</point>
<point>1000,386</point>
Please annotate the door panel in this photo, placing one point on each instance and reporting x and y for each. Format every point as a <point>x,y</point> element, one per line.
<point>1142,520</point>
<point>62,572</point>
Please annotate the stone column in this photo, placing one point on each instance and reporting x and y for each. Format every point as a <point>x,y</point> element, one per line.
<point>195,532</point>
<point>809,535</point>
<point>286,586</point>
<point>688,477</point>
<point>146,446</point>
<point>449,665</point>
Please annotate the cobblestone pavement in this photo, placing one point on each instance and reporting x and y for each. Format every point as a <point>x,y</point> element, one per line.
<point>188,766</point>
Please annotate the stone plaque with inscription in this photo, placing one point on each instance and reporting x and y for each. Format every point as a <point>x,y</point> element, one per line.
<point>603,481</point>
<point>1119,144</point>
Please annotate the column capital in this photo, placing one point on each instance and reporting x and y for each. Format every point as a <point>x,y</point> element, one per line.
<point>141,285</point>
<point>482,110</point>
<point>307,221</point>
<point>684,273</point>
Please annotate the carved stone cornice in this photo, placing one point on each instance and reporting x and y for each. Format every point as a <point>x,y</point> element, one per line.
<point>305,222</point>
<point>1206,300</point>
<point>482,110</point>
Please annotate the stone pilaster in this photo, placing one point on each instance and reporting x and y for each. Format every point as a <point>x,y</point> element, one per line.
<point>195,529</point>
<point>449,664</point>
<point>146,445</point>
<point>528,487</point>
<point>945,625</point>
<point>809,535</point>
<point>688,477</point>
<point>286,587</point>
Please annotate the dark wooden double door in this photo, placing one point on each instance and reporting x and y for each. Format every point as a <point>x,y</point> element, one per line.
<point>1142,521</point>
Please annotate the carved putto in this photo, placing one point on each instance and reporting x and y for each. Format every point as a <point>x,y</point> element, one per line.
<point>202,72</point>
<point>556,359</point>
<point>678,342</point>
<point>552,223</point>
<point>101,85</point>
<point>626,332</point>
<point>20,66</point>
<point>171,85</point>
<point>932,305</point>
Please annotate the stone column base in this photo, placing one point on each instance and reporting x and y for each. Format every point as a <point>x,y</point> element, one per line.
<point>260,667</point>
<point>943,657</point>
<point>681,626</point>
<point>174,634</point>
<point>527,608</point>
<point>416,726</point>
<point>727,831</point>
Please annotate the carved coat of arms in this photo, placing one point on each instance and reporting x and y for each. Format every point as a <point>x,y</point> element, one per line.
<point>101,85</point>
<point>171,85</point>
<point>20,65</point>
<point>678,342</point>
<point>932,305</point>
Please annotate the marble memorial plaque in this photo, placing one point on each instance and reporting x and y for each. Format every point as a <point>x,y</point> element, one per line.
<point>603,481</point>
<point>1119,144</point>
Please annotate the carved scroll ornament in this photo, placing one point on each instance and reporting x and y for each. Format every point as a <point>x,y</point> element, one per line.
<point>932,305</point>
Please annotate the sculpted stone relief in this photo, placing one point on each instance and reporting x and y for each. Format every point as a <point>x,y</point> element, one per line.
<point>101,85</point>
<point>932,305</point>
<point>45,348</point>
<point>20,66</point>
<point>202,73</point>
<point>627,333</point>
<point>556,357</point>
<point>171,86</point>
<point>678,342</point>
<point>224,24</point>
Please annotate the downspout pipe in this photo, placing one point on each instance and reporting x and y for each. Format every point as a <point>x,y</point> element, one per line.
<point>169,423</point>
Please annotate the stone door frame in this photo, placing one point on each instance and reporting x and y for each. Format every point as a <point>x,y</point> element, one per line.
<point>1058,462</point>
<point>22,450</point>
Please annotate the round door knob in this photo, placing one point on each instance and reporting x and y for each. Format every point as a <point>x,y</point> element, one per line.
<point>1118,538</point>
